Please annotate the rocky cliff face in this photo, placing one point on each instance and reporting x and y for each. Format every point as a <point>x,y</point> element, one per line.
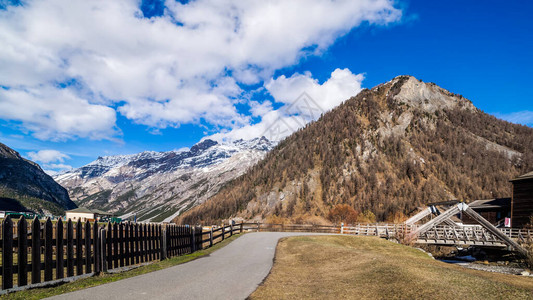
<point>383,152</point>
<point>24,182</point>
<point>158,186</point>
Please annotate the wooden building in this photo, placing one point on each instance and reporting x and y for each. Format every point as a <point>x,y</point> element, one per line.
<point>493,210</point>
<point>522,200</point>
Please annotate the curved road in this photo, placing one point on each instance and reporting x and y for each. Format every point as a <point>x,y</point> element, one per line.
<point>232,272</point>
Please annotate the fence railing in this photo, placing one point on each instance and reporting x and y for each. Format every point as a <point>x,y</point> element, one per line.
<point>291,227</point>
<point>388,230</point>
<point>39,252</point>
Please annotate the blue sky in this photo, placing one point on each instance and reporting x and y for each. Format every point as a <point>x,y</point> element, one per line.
<point>81,80</point>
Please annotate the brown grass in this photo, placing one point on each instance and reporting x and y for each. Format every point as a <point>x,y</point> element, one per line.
<point>348,267</point>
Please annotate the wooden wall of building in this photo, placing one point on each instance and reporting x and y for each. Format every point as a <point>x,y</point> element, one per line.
<point>522,203</point>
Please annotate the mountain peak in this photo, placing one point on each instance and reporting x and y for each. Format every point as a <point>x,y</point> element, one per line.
<point>426,96</point>
<point>6,152</point>
<point>203,145</point>
<point>384,151</point>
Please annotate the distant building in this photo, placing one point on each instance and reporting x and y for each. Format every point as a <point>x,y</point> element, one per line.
<point>80,213</point>
<point>522,200</point>
<point>85,214</point>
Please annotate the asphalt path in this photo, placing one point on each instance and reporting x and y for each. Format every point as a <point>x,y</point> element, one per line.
<point>232,272</point>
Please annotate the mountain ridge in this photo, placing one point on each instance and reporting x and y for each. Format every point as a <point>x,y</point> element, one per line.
<point>23,184</point>
<point>158,185</point>
<point>383,152</point>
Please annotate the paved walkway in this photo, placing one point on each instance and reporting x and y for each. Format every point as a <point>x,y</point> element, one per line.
<point>232,272</point>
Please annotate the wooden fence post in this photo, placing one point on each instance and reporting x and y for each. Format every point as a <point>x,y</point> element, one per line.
<point>223,232</point>
<point>88,247</point>
<point>127,243</point>
<point>137,244</point>
<point>170,240</point>
<point>121,244</point>
<point>97,244</point>
<point>70,249</point>
<point>22,251</point>
<point>60,272</point>
<point>231,229</point>
<point>141,243</point>
<point>35,251</point>
<point>79,249</point>
<point>242,226</point>
<point>164,243</point>
<point>109,247</point>
<point>103,249</point>
<point>193,241</point>
<point>153,246</point>
<point>7,253</point>
<point>146,246</point>
<point>132,243</point>
<point>159,241</point>
<point>115,246</point>
<point>342,228</point>
<point>211,237</point>
<point>48,250</point>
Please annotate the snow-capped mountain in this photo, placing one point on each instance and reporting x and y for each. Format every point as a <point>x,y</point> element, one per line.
<point>158,186</point>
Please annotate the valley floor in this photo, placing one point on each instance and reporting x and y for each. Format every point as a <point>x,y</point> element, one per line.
<point>349,267</point>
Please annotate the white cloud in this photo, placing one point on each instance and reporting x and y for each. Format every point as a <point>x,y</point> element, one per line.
<point>154,71</point>
<point>48,156</point>
<point>52,160</point>
<point>340,86</point>
<point>304,98</point>
<point>56,114</point>
<point>520,117</point>
<point>260,109</point>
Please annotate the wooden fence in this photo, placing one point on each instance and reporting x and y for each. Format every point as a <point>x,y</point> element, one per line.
<point>46,252</point>
<point>291,227</point>
<point>392,231</point>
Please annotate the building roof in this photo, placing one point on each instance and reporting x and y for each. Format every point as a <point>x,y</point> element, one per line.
<point>491,203</point>
<point>82,210</point>
<point>525,176</point>
<point>101,212</point>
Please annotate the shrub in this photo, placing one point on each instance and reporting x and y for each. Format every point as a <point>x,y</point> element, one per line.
<point>343,213</point>
<point>366,217</point>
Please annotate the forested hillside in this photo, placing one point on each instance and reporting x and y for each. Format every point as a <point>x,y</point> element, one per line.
<point>383,153</point>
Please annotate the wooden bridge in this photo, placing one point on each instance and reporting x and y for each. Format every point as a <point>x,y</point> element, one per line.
<point>441,230</point>
<point>459,235</point>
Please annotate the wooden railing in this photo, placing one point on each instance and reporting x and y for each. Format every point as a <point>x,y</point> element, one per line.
<point>38,253</point>
<point>290,228</point>
<point>387,230</point>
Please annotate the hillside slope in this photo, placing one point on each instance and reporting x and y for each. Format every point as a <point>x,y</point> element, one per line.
<point>383,152</point>
<point>157,186</point>
<point>24,185</point>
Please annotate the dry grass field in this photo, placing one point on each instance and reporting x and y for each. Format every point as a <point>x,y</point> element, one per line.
<point>349,267</point>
